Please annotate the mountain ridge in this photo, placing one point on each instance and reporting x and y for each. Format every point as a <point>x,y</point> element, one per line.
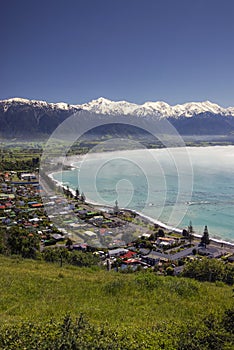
<point>23,118</point>
<point>157,108</point>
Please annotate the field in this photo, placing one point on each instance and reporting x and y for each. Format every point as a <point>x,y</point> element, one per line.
<point>37,292</point>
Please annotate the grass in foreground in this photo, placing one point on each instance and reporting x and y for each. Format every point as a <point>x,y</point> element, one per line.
<point>35,291</point>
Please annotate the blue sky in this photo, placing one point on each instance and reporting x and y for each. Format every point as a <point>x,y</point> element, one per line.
<point>137,50</point>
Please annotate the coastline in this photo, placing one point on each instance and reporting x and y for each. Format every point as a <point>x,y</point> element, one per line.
<point>150,220</point>
<point>176,229</point>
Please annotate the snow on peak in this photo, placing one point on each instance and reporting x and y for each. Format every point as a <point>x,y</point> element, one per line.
<point>105,106</point>
<point>160,109</point>
<point>17,99</point>
<point>36,103</point>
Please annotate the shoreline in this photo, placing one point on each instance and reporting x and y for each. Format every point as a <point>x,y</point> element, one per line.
<point>143,216</point>
<point>178,230</point>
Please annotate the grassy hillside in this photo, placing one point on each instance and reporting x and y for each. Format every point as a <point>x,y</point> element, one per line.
<point>34,291</point>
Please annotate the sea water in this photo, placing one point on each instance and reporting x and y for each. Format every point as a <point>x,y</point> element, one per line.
<point>173,186</point>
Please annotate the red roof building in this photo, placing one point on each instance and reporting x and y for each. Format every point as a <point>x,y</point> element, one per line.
<point>128,255</point>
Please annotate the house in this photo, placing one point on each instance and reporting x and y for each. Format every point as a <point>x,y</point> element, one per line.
<point>57,237</point>
<point>165,241</point>
<point>82,247</point>
<point>178,270</point>
<point>210,252</point>
<point>37,205</point>
<point>82,213</point>
<point>31,203</point>
<point>28,176</point>
<point>90,234</point>
<point>96,220</point>
<point>145,235</point>
<point>154,258</point>
<point>129,255</point>
<point>117,252</point>
<point>134,264</point>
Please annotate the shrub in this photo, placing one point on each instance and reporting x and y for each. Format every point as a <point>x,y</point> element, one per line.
<point>211,270</point>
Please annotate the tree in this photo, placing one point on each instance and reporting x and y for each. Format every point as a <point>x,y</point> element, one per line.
<point>77,193</point>
<point>190,227</point>
<point>211,270</point>
<point>55,254</point>
<point>185,233</point>
<point>116,207</point>
<point>190,231</point>
<point>82,197</point>
<point>83,259</point>
<point>170,271</point>
<point>153,236</point>
<point>19,241</point>
<point>205,238</point>
<point>161,233</point>
<point>69,244</point>
<point>228,320</point>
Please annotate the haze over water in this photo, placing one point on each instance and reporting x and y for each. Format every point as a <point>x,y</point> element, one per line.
<point>173,187</point>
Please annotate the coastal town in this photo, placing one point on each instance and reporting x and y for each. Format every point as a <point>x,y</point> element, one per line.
<point>116,175</point>
<point>120,239</point>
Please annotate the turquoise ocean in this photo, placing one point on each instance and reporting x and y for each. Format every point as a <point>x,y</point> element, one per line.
<point>172,186</point>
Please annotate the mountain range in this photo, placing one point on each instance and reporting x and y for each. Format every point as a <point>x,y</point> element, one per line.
<point>23,118</point>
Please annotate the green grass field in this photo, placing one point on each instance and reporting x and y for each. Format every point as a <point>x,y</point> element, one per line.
<point>123,311</point>
<point>39,291</point>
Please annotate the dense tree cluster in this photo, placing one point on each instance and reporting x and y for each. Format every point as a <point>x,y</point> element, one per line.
<point>211,270</point>
<point>29,164</point>
<point>76,258</point>
<point>17,240</point>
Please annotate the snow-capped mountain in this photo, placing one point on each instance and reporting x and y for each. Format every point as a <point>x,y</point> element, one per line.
<point>30,118</point>
<point>159,109</point>
<point>34,103</point>
<point>105,106</point>
<point>22,117</point>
